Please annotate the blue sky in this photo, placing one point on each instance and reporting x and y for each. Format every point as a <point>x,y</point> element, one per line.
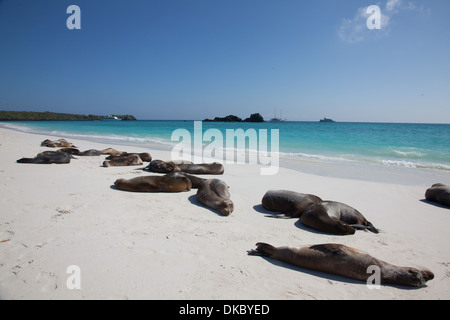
<point>196,59</point>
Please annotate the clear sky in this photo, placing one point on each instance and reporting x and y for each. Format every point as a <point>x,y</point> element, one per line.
<point>196,59</point>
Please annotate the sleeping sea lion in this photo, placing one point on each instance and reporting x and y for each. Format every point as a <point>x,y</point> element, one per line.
<point>214,193</point>
<point>165,183</point>
<point>439,193</point>
<point>111,152</point>
<point>289,204</point>
<point>203,168</point>
<point>48,157</point>
<point>122,161</point>
<point>56,143</point>
<point>344,261</point>
<point>160,166</point>
<point>145,156</point>
<point>335,218</point>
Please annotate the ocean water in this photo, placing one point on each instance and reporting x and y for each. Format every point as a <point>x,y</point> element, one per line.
<point>387,144</point>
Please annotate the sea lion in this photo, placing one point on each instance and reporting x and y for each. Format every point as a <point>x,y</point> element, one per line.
<point>214,193</point>
<point>90,153</point>
<point>203,168</point>
<point>196,181</point>
<point>166,183</point>
<point>111,152</point>
<point>289,204</point>
<point>344,261</point>
<point>160,166</point>
<point>60,143</point>
<point>73,151</point>
<point>439,193</point>
<point>122,161</point>
<point>335,218</point>
<point>48,157</point>
<point>145,156</point>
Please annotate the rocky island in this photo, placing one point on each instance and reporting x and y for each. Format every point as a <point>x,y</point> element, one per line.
<point>256,117</point>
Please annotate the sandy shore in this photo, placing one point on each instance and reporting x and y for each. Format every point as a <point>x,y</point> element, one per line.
<point>167,246</point>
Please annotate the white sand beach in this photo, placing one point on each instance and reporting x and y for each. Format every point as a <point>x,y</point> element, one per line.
<point>168,246</point>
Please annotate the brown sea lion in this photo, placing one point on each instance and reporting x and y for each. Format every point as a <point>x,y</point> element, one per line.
<point>73,151</point>
<point>145,156</point>
<point>111,152</point>
<point>344,261</point>
<point>90,153</point>
<point>60,143</point>
<point>289,204</point>
<point>439,193</point>
<point>203,168</point>
<point>335,218</point>
<point>196,181</point>
<point>214,193</point>
<point>123,161</point>
<point>165,183</point>
<point>48,157</point>
<point>160,166</point>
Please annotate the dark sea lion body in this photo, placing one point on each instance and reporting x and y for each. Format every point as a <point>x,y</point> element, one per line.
<point>196,181</point>
<point>144,156</point>
<point>203,168</point>
<point>344,261</point>
<point>439,193</point>
<point>335,218</point>
<point>165,183</point>
<point>288,203</point>
<point>123,161</point>
<point>60,143</point>
<point>159,166</point>
<point>48,157</point>
<point>214,194</point>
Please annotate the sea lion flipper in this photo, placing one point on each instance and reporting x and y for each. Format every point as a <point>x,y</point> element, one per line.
<point>368,227</point>
<point>282,215</point>
<point>262,250</point>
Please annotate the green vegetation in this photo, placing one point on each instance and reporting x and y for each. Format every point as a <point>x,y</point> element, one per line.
<point>52,116</point>
<point>256,117</point>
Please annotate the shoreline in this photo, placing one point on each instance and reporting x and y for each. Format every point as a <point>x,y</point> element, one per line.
<point>168,246</point>
<point>367,171</point>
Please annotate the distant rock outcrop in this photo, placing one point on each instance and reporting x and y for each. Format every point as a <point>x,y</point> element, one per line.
<point>256,117</point>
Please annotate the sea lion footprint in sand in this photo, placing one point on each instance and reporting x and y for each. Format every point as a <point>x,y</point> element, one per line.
<point>214,194</point>
<point>439,193</point>
<point>288,204</point>
<point>167,183</point>
<point>335,218</point>
<point>344,261</point>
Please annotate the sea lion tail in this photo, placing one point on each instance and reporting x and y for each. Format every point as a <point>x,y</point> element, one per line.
<point>278,216</point>
<point>262,250</point>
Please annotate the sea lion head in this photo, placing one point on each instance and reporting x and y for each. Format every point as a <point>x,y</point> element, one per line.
<point>226,207</point>
<point>414,277</point>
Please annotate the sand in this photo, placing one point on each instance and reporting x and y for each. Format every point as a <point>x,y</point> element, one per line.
<point>167,246</point>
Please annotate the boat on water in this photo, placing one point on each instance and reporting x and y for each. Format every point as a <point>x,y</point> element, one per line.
<point>276,119</point>
<point>326,120</point>
<point>110,117</point>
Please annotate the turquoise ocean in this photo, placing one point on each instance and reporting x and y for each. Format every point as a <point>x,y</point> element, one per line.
<point>387,144</point>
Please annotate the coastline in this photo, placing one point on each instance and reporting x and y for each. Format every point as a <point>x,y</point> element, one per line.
<point>167,246</point>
